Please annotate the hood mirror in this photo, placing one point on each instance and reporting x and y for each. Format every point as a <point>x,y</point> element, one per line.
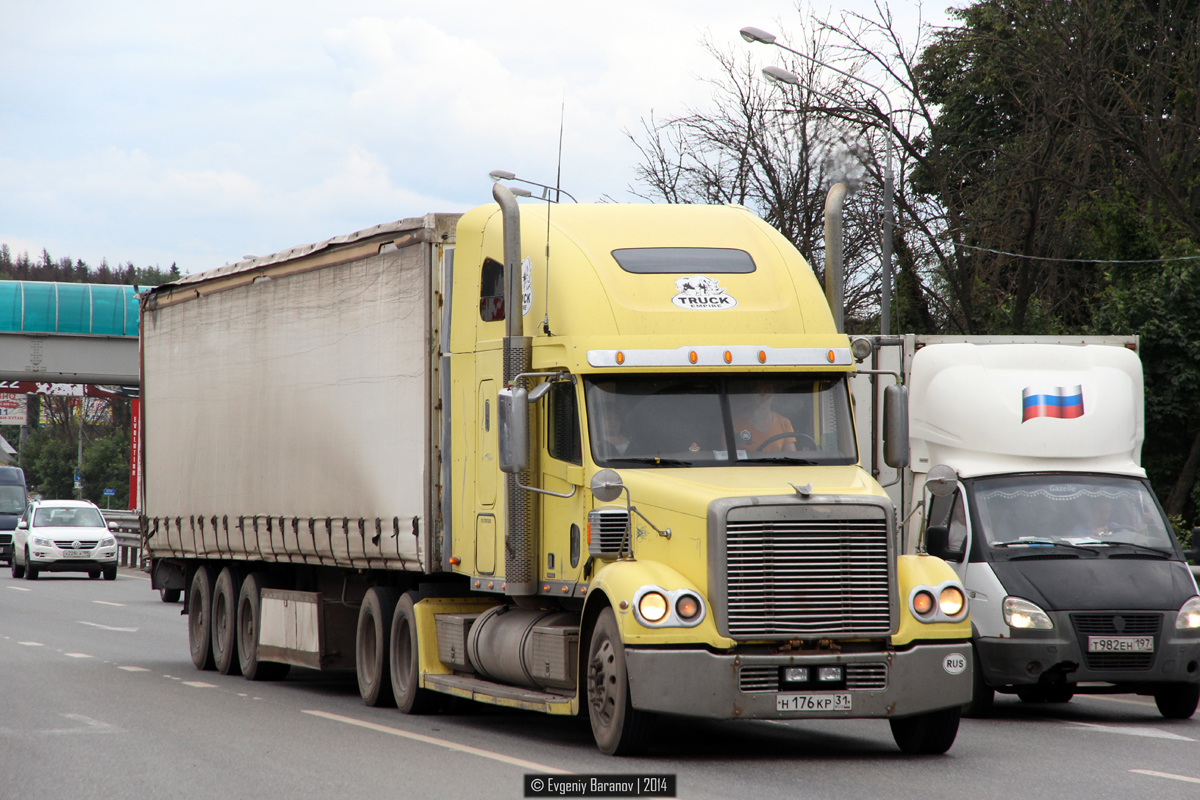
<point>606,485</point>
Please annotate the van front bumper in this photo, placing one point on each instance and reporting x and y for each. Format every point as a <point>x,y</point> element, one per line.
<point>700,683</point>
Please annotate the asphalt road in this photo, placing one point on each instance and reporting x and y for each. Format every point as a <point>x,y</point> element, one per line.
<point>99,699</point>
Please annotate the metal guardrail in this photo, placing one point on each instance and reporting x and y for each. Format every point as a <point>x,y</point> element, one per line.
<point>129,535</point>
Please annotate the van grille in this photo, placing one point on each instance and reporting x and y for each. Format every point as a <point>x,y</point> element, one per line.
<point>807,578</point>
<point>5,538</point>
<point>1110,624</point>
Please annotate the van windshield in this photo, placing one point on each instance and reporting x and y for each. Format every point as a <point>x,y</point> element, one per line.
<point>690,420</point>
<point>12,499</point>
<point>1088,511</point>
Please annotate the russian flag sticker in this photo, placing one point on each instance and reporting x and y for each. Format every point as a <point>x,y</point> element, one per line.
<point>1064,402</point>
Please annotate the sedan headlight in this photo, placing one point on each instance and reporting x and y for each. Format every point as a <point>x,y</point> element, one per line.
<point>107,541</point>
<point>1025,615</point>
<point>1188,617</point>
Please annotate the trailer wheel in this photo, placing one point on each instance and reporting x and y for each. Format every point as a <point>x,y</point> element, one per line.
<point>619,728</point>
<point>249,618</point>
<point>371,645</point>
<point>927,734</point>
<point>199,610</point>
<point>405,661</point>
<point>224,622</point>
<point>1178,700</point>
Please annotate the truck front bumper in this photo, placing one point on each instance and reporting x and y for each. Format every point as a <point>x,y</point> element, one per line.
<point>700,683</point>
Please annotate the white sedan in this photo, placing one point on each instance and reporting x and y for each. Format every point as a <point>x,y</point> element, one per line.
<point>63,536</point>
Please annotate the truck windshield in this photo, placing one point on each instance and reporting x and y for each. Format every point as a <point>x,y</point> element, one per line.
<point>1078,511</point>
<point>689,420</point>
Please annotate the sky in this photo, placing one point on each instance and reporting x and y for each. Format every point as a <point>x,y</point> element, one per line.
<point>196,133</point>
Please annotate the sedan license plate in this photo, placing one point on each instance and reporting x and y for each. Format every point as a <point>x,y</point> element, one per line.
<point>1120,644</point>
<point>812,702</point>
<point>76,554</point>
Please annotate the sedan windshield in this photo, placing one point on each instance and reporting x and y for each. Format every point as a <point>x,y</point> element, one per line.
<point>67,517</point>
<point>690,420</point>
<point>1076,511</point>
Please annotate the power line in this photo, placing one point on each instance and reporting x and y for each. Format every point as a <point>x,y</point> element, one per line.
<point>1081,260</point>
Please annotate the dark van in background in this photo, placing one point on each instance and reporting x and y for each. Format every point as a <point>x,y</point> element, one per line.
<point>13,499</point>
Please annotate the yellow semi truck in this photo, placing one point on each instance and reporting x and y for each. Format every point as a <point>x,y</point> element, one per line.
<point>567,458</point>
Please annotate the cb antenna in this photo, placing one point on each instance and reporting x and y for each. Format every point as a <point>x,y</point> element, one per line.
<point>557,199</point>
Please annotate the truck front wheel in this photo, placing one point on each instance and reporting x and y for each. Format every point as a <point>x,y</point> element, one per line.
<point>619,728</point>
<point>1177,700</point>
<point>372,645</point>
<point>199,609</point>
<point>926,734</point>
<point>405,661</point>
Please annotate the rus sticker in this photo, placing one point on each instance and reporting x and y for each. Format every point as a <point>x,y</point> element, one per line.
<point>700,292</point>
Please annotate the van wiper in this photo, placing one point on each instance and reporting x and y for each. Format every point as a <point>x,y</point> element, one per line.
<point>1142,547</point>
<point>1044,543</point>
<point>658,462</point>
<point>802,462</point>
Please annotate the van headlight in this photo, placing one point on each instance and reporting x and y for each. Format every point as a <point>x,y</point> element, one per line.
<point>1024,615</point>
<point>1188,617</point>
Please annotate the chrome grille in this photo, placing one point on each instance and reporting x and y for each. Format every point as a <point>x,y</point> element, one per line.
<point>606,531</point>
<point>69,544</point>
<point>1110,624</point>
<point>807,578</point>
<point>765,677</point>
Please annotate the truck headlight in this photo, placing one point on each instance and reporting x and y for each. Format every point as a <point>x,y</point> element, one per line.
<point>1188,617</point>
<point>951,601</point>
<point>1022,614</point>
<point>656,607</point>
<point>946,602</point>
<point>652,606</point>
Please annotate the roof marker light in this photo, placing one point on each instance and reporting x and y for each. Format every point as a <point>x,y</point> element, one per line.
<point>693,357</point>
<point>728,357</point>
<point>620,357</point>
<point>762,356</point>
<point>832,357</point>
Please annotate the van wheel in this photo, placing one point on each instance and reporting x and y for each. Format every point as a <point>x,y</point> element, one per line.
<point>224,622</point>
<point>371,645</point>
<point>199,611</point>
<point>1046,694</point>
<point>983,697</point>
<point>926,734</point>
<point>618,727</point>
<point>1177,700</point>
<point>405,663</point>
<point>249,618</point>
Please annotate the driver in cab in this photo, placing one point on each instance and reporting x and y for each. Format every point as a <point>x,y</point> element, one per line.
<point>754,421</point>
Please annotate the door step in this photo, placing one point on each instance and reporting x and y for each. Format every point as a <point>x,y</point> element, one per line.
<point>501,694</point>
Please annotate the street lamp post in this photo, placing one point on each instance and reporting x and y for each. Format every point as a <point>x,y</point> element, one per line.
<point>782,75</point>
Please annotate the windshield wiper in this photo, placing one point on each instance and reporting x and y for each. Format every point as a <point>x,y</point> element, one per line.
<point>658,462</point>
<point>803,462</point>
<point>1155,550</point>
<point>1044,543</point>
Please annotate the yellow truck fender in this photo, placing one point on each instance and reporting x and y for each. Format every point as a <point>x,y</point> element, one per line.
<point>914,572</point>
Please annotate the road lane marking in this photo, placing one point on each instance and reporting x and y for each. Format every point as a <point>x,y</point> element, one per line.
<point>106,627</point>
<point>1150,733</point>
<point>449,745</point>
<point>1186,778</point>
<point>31,644</point>
<point>134,669</point>
<point>200,684</point>
<point>1144,703</point>
<point>20,588</point>
<point>106,603</point>
<point>76,655</point>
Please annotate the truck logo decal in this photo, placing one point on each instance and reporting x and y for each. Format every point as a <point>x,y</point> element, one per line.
<point>701,292</point>
<point>1063,402</point>
<point>526,287</point>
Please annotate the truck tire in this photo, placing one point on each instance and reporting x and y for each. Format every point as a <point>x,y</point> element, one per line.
<point>926,734</point>
<point>199,611</point>
<point>405,661</point>
<point>249,618</point>
<point>224,622</point>
<point>618,727</point>
<point>1177,700</point>
<point>371,645</point>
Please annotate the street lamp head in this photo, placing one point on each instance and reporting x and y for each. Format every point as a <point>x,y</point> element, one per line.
<point>498,175</point>
<point>757,35</point>
<point>781,75</point>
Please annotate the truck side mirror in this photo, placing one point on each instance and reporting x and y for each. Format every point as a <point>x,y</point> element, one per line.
<point>895,426</point>
<point>937,543</point>
<point>512,412</point>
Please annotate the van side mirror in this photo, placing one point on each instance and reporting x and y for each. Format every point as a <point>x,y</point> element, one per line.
<point>937,543</point>
<point>512,412</point>
<point>895,426</point>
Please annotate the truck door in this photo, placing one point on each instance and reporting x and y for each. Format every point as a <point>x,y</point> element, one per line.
<point>563,549</point>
